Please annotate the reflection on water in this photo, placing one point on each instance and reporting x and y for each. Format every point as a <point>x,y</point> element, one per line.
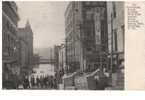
<point>44,70</point>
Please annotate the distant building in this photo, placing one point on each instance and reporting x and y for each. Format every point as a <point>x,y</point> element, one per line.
<point>10,58</point>
<point>56,58</point>
<point>26,47</point>
<point>23,51</point>
<point>86,35</point>
<point>45,53</point>
<point>36,60</point>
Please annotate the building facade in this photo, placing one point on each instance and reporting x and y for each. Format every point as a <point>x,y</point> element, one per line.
<point>23,50</point>
<point>72,32</point>
<point>86,35</point>
<point>10,58</point>
<point>116,32</point>
<point>36,60</point>
<point>56,57</point>
<point>116,43</point>
<point>62,59</point>
<point>26,48</point>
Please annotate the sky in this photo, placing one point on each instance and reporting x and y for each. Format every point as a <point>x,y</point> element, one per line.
<point>46,20</point>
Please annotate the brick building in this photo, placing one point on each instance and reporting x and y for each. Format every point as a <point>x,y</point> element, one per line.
<point>36,60</point>
<point>10,58</point>
<point>116,31</point>
<point>26,48</point>
<point>116,42</point>
<point>86,35</point>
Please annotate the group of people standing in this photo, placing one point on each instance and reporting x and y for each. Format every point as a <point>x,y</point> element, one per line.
<point>47,82</point>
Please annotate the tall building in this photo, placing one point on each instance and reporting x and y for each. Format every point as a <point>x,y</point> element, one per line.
<point>116,31</point>
<point>10,58</point>
<point>86,35</point>
<point>29,32</point>
<point>26,47</point>
<point>116,42</point>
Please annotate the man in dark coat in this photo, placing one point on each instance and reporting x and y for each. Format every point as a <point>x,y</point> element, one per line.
<point>26,83</point>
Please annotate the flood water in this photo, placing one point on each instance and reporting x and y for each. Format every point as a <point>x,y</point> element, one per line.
<point>43,70</point>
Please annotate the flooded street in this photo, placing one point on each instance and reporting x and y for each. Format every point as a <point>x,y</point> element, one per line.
<point>42,77</point>
<point>69,45</point>
<point>44,70</point>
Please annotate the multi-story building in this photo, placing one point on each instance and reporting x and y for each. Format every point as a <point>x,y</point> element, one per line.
<point>56,57</point>
<point>10,58</point>
<point>23,50</point>
<point>116,42</point>
<point>26,48</point>
<point>116,32</point>
<point>86,35</point>
<point>36,60</point>
<point>73,44</point>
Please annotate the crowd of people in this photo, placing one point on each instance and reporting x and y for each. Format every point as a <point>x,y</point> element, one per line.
<point>47,82</point>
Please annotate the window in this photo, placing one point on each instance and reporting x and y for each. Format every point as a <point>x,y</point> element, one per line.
<point>114,10</point>
<point>8,25</point>
<point>89,49</point>
<point>89,15</point>
<point>76,10</point>
<point>115,39</point>
<point>122,28</point>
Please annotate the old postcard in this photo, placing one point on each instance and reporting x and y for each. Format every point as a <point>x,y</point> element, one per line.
<point>71,45</point>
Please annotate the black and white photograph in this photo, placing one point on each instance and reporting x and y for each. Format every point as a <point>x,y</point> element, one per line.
<point>63,45</point>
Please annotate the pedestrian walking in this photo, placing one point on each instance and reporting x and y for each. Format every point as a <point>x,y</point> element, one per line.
<point>41,81</point>
<point>26,84</point>
<point>37,81</point>
<point>32,81</point>
<point>103,82</point>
